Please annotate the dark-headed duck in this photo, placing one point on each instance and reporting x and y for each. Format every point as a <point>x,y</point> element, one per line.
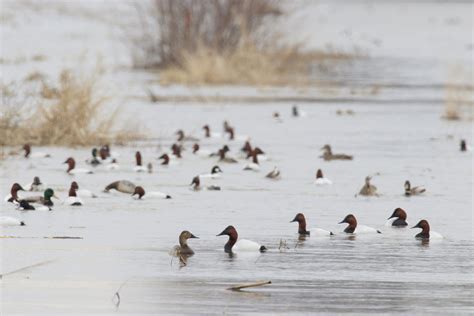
<point>320,179</point>
<point>354,228</point>
<point>313,231</point>
<point>328,155</point>
<point>139,192</point>
<point>196,185</point>
<point>398,217</point>
<point>71,163</point>
<point>426,234</point>
<point>409,190</point>
<point>239,245</point>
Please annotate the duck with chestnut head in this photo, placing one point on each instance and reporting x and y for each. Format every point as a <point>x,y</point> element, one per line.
<point>426,233</point>
<point>354,228</point>
<point>13,196</point>
<point>300,218</point>
<point>320,179</point>
<point>71,163</point>
<point>235,245</point>
<point>140,194</point>
<point>196,185</point>
<point>398,218</point>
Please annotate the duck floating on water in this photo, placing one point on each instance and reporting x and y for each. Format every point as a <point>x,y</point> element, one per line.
<point>123,186</point>
<point>176,150</point>
<point>368,189</point>
<point>196,185</point>
<point>409,191</point>
<point>182,137</point>
<point>254,165</point>
<point>223,157</point>
<point>216,172</point>
<point>328,155</point>
<point>72,167</point>
<point>201,152</point>
<point>300,218</point>
<point>166,160</point>
<point>94,161</point>
<point>35,186</point>
<point>208,134</point>
<point>13,196</point>
<point>183,249</point>
<point>354,228</point>
<point>425,233</point>
<point>138,163</point>
<point>239,245</point>
<point>320,179</point>
<point>139,192</point>
<point>398,218</point>
<point>72,198</point>
<point>29,154</point>
<point>45,199</point>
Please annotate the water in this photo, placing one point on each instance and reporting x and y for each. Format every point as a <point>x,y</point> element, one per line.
<point>126,242</point>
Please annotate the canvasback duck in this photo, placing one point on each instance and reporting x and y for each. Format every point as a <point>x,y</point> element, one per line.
<point>239,245</point>
<point>247,148</point>
<point>216,172</point>
<point>208,134</point>
<point>166,160</point>
<point>45,199</point>
<point>463,146</point>
<point>277,117</point>
<point>353,228</point>
<point>104,152</point>
<point>274,174</point>
<point>13,196</point>
<point>223,157</point>
<point>72,167</point>
<point>72,198</point>
<point>29,154</point>
<point>196,185</point>
<point>25,206</point>
<point>183,249</point>
<point>10,221</point>
<point>259,152</point>
<point>200,152</point>
<point>123,186</point>
<point>409,191</point>
<point>35,186</point>
<point>320,179</point>
<point>94,161</point>
<point>296,112</point>
<point>398,218</point>
<point>138,163</point>
<point>139,192</point>
<point>328,155</point>
<point>302,227</point>
<point>426,234</point>
<point>254,165</point>
<point>176,150</point>
<point>182,137</point>
<point>229,130</point>
<point>368,189</point>
<point>113,165</point>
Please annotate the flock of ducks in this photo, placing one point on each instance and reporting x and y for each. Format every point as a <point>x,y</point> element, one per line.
<point>253,156</point>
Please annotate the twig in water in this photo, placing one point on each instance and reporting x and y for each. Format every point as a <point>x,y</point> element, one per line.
<point>243,286</point>
<point>27,267</point>
<point>117,295</point>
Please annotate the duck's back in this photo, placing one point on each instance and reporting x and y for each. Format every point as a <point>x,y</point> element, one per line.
<point>243,245</point>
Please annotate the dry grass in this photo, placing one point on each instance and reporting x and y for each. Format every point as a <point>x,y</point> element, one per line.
<point>72,115</point>
<point>458,100</point>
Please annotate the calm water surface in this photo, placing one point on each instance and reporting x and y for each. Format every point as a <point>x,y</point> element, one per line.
<point>126,242</point>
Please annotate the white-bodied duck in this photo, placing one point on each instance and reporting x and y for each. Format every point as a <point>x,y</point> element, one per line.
<point>139,193</point>
<point>72,167</point>
<point>320,179</point>
<point>300,218</point>
<point>239,245</point>
<point>196,185</point>
<point>354,228</point>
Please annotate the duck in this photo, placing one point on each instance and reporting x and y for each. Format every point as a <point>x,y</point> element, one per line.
<point>247,148</point>
<point>235,245</point>
<point>328,155</point>
<point>25,206</point>
<point>216,172</point>
<point>300,218</point>
<point>368,189</point>
<point>277,117</point>
<point>123,186</point>
<point>296,112</point>
<point>223,157</point>
<point>13,196</point>
<point>200,152</point>
<point>274,174</point>
<point>10,221</point>
<point>463,146</point>
<point>320,179</point>
<point>138,163</point>
<point>254,165</point>
<point>398,218</point>
<point>104,153</point>
<point>149,167</point>
<point>35,186</point>
<point>353,228</point>
<point>113,165</point>
<point>196,185</point>
<point>29,154</point>
<point>94,161</point>
<point>183,249</point>
<point>229,130</point>
<point>260,154</point>
<point>208,134</point>
<point>72,167</point>
<point>409,191</point>
<point>176,150</point>
<point>72,198</point>
<point>425,233</point>
<point>42,200</point>
<point>140,193</point>
<point>182,137</point>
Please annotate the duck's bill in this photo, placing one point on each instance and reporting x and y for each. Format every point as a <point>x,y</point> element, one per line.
<point>342,222</point>
<point>221,234</point>
<point>390,217</point>
<point>192,236</point>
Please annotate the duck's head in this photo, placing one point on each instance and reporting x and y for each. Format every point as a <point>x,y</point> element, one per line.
<point>195,148</point>
<point>423,224</point>
<point>326,147</point>
<point>180,134</point>
<point>165,159</point>
<point>94,152</point>
<point>196,182</point>
<point>139,191</point>
<point>399,213</point>
<point>299,218</point>
<point>349,219</point>
<point>463,145</point>
<point>176,149</point>
<point>185,235</point>
<point>27,149</point>
<point>71,163</point>
<point>229,231</point>
<point>36,181</point>
<point>225,148</point>
<point>74,185</point>
<point>294,110</point>
<point>207,130</point>
<point>367,180</point>
<point>104,153</point>
<point>407,185</point>
<point>138,158</point>
<point>247,147</point>
<point>319,174</point>
<point>49,193</point>
<point>15,188</point>
<point>216,169</point>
